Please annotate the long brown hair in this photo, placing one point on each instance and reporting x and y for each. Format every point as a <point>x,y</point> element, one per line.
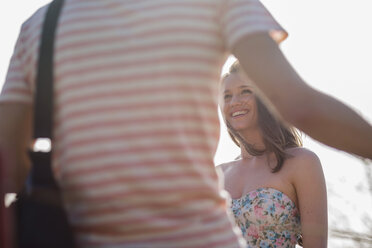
<point>277,136</point>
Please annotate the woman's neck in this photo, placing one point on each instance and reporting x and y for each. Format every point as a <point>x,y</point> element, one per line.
<point>253,138</point>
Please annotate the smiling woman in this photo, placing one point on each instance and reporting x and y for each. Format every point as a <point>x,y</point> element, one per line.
<point>272,201</point>
<point>233,95</point>
<point>244,110</point>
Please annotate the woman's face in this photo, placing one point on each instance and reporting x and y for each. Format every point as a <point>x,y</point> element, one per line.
<point>238,104</point>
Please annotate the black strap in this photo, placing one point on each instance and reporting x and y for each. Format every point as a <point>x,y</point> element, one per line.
<point>43,105</point>
<point>41,173</point>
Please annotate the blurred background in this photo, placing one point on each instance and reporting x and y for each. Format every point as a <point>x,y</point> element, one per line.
<point>329,44</point>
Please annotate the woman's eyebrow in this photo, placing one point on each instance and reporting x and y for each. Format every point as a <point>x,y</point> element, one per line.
<point>240,87</point>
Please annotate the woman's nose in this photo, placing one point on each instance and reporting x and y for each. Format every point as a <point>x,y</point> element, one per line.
<point>235,100</point>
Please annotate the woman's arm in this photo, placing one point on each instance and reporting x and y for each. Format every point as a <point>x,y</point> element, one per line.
<point>308,180</point>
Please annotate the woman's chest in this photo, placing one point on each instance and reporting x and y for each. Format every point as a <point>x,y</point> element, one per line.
<point>240,181</point>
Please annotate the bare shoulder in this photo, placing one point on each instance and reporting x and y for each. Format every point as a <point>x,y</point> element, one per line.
<point>302,160</point>
<point>225,166</point>
<point>301,153</point>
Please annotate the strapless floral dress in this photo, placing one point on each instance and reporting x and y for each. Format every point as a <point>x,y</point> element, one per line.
<point>268,219</point>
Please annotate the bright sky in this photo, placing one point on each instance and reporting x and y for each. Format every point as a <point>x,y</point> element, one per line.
<point>329,44</point>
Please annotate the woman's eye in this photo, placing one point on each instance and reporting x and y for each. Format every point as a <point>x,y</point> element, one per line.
<point>246,91</point>
<point>226,97</point>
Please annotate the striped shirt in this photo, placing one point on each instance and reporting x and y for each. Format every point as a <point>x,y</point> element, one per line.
<point>135,120</point>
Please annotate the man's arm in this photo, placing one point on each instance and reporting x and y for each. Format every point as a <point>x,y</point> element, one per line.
<point>15,136</point>
<point>317,114</point>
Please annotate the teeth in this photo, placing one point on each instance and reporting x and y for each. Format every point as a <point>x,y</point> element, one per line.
<point>242,112</point>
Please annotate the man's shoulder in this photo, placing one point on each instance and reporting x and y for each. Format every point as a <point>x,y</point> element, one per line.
<point>34,21</point>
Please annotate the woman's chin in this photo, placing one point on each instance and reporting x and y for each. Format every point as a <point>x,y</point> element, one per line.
<point>239,127</point>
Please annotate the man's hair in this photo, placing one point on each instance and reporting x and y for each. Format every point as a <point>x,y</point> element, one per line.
<point>277,136</point>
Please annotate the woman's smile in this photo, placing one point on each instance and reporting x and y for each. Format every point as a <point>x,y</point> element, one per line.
<point>239,113</point>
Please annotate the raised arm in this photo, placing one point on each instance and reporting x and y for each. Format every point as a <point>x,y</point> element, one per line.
<point>320,116</point>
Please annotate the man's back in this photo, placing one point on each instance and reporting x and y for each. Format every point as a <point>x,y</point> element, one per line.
<point>136,123</point>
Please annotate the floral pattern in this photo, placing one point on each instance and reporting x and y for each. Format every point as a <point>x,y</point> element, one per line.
<point>268,219</point>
